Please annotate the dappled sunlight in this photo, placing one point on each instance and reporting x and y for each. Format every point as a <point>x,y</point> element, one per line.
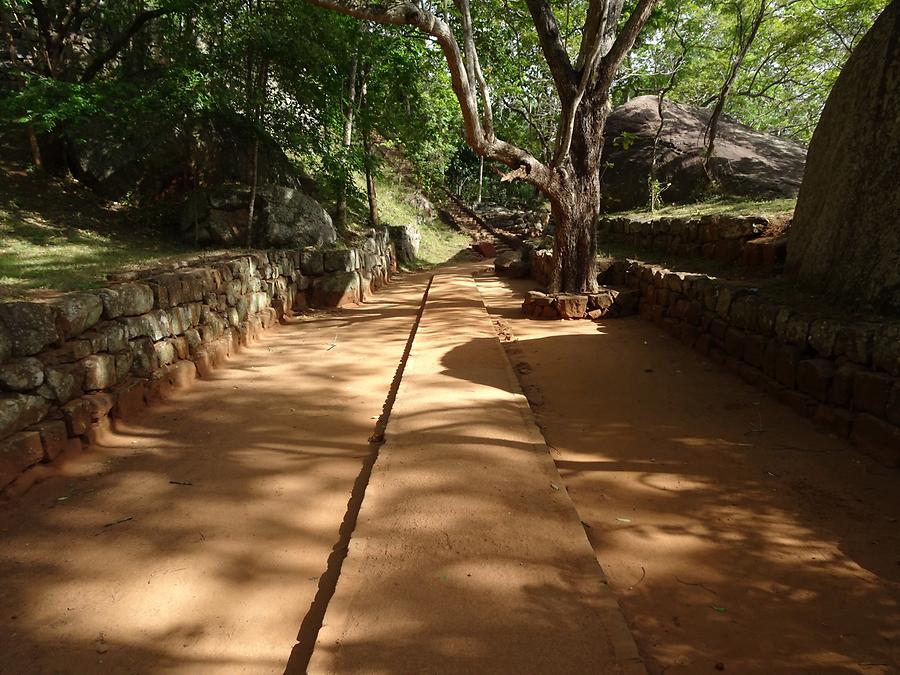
<point>725,523</point>
<point>193,540</point>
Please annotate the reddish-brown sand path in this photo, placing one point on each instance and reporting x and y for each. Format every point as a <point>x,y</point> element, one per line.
<point>735,535</point>
<point>468,556</point>
<point>228,501</point>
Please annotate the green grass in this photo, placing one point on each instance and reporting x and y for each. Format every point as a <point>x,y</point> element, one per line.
<point>36,255</point>
<point>55,235</point>
<point>720,206</point>
<point>440,243</point>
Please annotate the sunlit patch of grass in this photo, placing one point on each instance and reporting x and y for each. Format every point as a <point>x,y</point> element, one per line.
<point>440,243</point>
<point>720,206</point>
<point>36,254</point>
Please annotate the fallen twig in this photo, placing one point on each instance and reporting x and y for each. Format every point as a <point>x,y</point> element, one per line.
<point>637,583</point>
<point>118,522</point>
<point>180,482</point>
<point>698,585</point>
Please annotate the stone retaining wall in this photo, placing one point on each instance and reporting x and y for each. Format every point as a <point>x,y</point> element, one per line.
<point>843,374</point>
<point>728,239</point>
<point>70,364</point>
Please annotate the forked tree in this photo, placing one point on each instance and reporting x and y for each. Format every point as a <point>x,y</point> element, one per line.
<point>571,179</point>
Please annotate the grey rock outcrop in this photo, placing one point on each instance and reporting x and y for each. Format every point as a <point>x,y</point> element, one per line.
<point>846,234</point>
<point>407,240</point>
<point>283,217</point>
<point>746,163</point>
<point>30,325</point>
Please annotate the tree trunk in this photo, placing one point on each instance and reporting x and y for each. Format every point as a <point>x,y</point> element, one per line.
<point>368,159</point>
<point>743,42</point>
<point>340,209</point>
<point>14,60</point>
<point>575,203</point>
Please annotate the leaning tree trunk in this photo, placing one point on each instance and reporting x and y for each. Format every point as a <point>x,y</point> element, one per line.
<point>575,203</point>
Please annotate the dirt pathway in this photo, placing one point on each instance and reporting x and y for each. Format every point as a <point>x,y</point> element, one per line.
<point>735,535</point>
<point>468,557</point>
<point>194,541</point>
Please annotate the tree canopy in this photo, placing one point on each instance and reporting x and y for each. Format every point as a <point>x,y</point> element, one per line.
<point>71,67</point>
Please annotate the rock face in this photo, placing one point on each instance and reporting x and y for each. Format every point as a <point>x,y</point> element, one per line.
<point>511,264</point>
<point>283,217</point>
<point>406,239</point>
<point>153,159</point>
<point>846,233</point>
<point>747,163</point>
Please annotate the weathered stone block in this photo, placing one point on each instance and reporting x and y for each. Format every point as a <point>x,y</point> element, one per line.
<point>116,338</point>
<point>854,341</point>
<point>124,361</point>
<point>814,377</point>
<point>77,416</point>
<point>144,355</point>
<point>312,262</point>
<point>6,342</point>
<point>781,322</point>
<point>17,453</point>
<point>786,359</point>
<point>99,372</point>
<point>30,326</point>
<point>130,400</point>
<point>570,306</point>
<point>22,374</point>
<point>886,350</point>
<point>871,392</point>
<point>70,352</point>
<point>743,312</point>
<point>841,393</point>
<point>165,352</point>
<point>62,383</point>
<point>797,331</point>
<point>823,336</point>
<point>723,301</point>
<point>182,374</point>
<point>335,290</point>
<point>734,342</point>
<point>54,438</point>
<point>18,411</point>
<point>179,319</point>
<point>76,312</point>
<point>765,318</point>
<point>754,350</point>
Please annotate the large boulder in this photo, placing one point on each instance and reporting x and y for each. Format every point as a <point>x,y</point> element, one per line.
<point>746,163</point>
<point>845,238</point>
<point>406,240</point>
<point>283,218</point>
<point>154,158</point>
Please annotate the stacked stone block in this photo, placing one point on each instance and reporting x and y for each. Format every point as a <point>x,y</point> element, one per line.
<point>70,364</point>
<point>729,239</point>
<point>844,374</point>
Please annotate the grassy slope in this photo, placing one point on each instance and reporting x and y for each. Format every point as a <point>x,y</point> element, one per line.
<point>440,243</point>
<point>56,236</point>
<point>722,206</point>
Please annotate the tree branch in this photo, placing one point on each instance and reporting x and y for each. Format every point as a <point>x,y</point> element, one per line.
<point>624,42</point>
<point>408,14</point>
<point>120,41</point>
<point>564,75</point>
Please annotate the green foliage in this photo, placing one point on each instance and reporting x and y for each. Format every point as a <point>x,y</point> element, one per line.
<point>789,70</point>
<point>656,189</point>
